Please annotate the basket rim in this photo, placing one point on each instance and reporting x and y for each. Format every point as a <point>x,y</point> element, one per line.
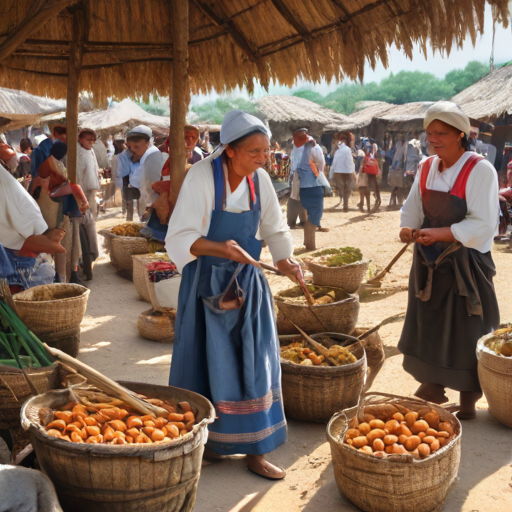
<point>399,459</point>
<point>482,348</point>
<point>324,369</point>
<point>85,293</point>
<point>348,265</point>
<point>108,232</point>
<point>101,449</point>
<point>350,298</point>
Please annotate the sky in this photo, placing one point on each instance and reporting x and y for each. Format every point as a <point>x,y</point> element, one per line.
<point>437,64</point>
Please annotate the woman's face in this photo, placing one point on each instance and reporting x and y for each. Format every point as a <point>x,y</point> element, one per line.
<point>250,154</point>
<point>443,139</point>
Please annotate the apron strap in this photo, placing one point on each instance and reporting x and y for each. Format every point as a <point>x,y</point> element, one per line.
<point>218,179</point>
<point>459,187</point>
<point>425,169</point>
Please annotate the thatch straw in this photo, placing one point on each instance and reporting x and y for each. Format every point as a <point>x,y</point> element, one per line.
<point>490,97</point>
<point>128,43</point>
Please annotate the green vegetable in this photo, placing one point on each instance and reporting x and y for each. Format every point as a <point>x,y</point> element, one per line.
<point>15,336</point>
<point>339,257</point>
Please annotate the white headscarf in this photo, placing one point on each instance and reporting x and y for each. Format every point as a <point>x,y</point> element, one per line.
<point>450,113</point>
<point>236,124</point>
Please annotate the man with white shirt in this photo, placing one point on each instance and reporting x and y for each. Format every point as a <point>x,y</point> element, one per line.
<point>307,162</point>
<point>343,168</point>
<point>139,167</point>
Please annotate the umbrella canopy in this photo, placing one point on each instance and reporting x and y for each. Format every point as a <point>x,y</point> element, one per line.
<point>127,45</point>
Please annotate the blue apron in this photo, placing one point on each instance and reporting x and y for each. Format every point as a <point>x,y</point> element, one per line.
<point>231,357</point>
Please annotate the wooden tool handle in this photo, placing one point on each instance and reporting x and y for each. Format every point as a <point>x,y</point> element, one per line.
<point>105,384</point>
<point>318,346</point>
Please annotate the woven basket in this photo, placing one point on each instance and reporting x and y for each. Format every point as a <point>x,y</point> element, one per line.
<point>375,356</point>
<point>315,393</point>
<point>398,483</point>
<point>495,374</point>
<point>123,478</point>
<point>14,391</point>
<point>63,308</point>
<point>140,273</point>
<point>107,239</point>
<point>347,277</point>
<point>157,325</point>
<point>340,316</point>
<point>68,341</point>
<point>123,248</point>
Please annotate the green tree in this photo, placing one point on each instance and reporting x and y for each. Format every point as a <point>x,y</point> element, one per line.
<point>310,95</point>
<point>460,79</point>
<point>214,111</point>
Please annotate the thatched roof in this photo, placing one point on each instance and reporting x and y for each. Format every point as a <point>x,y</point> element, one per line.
<point>293,109</point>
<point>285,114</point>
<point>393,115</point>
<point>490,97</point>
<point>19,109</point>
<point>128,43</point>
<point>120,117</point>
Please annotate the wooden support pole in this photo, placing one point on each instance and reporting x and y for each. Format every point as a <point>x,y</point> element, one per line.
<point>40,13</point>
<point>180,97</point>
<point>74,68</point>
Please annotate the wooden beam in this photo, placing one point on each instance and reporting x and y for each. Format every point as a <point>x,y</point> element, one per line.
<point>290,19</point>
<point>224,21</point>
<point>33,22</point>
<point>74,68</point>
<point>180,96</point>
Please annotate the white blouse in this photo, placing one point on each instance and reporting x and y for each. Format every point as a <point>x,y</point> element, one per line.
<point>479,227</point>
<point>192,215</point>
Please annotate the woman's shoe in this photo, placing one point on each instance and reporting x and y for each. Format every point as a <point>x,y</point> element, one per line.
<point>259,466</point>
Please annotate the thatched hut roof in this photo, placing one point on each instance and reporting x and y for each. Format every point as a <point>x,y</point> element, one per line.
<point>19,109</point>
<point>120,117</point>
<point>363,116</point>
<point>490,97</point>
<point>127,44</point>
<point>285,114</point>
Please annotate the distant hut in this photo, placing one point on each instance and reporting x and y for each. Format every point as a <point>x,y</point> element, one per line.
<point>384,121</point>
<point>284,114</point>
<point>490,101</point>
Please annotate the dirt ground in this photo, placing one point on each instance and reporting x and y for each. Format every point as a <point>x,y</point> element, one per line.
<point>111,344</point>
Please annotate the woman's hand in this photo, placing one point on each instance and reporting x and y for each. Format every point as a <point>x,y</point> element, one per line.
<point>229,250</point>
<point>430,236</point>
<point>407,235</point>
<point>56,235</point>
<point>291,269</point>
<point>235,253</point>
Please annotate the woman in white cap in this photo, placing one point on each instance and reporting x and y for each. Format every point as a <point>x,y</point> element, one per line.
<point>226,345</point>
<point>451,214</point>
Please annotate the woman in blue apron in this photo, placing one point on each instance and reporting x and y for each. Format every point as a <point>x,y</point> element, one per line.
<point>452,303</point>
<point>226,345</point>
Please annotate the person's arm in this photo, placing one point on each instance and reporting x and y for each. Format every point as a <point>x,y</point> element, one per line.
<point>335,164</point>
<point>412,212</point>
<point>482,219</point>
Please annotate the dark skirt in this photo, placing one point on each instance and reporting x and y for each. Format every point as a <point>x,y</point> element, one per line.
<point>442,327</point>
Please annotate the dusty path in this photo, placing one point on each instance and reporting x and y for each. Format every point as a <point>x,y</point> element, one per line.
<point>110,343</point>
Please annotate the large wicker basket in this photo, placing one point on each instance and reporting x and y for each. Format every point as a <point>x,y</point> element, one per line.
<point>495,374</point>
<point>140,273</point>
<point>52,307</point>
<point>340,316</point>
<point>157,325</point>
<point>123,248</point>
<point>14,391</point>
<point>315,393</point>
<point>347,277</point>
<point>398,483</point>
<point>123,478</point>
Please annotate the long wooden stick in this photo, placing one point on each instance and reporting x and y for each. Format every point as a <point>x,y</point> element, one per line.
<point>317,346</point>
<point>105,384</point>
<point>380,276</point>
